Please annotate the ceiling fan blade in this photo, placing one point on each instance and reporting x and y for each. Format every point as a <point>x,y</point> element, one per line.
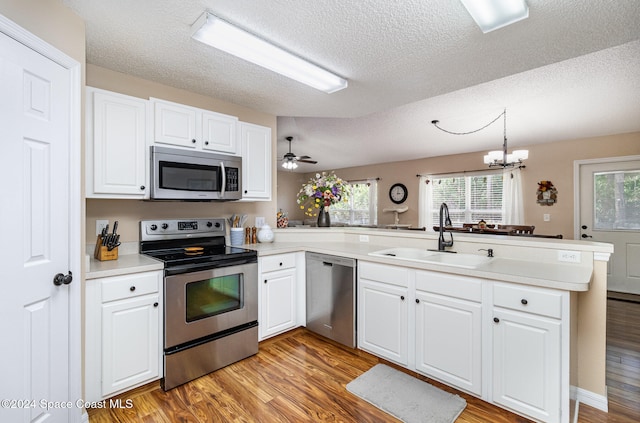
<point>308,161</point>
<point>303,157</point>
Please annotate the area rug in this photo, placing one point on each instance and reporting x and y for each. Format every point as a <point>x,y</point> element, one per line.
<point>405,397</point>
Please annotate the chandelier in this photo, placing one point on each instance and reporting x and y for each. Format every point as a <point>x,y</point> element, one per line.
<point>497,158</point>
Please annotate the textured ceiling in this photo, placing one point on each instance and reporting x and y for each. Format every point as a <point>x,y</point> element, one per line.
<point>571,70</point>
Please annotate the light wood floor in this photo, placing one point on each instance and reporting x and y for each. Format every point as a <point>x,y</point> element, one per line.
<point>623,353</point>
<point>296,377</point>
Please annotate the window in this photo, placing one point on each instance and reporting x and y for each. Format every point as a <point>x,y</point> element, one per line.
<point>617,200</point>
<point>469,198</point>
<point>362,206</point>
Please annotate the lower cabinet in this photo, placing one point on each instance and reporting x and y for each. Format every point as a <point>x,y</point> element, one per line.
<point>383,314</point>
<point>449,329</point>
<point>527,351</point>
<point>123,333</point>
<point>505,343</point>
<point>278,294</point>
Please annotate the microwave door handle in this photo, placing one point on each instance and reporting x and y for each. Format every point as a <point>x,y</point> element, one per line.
<point>224,180</point>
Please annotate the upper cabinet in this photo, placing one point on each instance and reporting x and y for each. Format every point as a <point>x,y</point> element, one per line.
<point>116,165</point>
<point>256,162</point>
<point>121,128</point>
<point>184,126</point>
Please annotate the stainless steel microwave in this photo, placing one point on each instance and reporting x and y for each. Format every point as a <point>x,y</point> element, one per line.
<point>178,174</point>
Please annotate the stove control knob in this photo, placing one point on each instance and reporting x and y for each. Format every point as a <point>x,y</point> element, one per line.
<point>209,224</point>
<point>217,224</point>
<point>153,227</point>
<point>165,226</point>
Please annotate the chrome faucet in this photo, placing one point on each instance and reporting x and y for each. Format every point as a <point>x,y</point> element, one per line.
<point>445,219</point>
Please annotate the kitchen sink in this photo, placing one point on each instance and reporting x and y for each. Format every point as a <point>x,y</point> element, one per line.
<point>467,261</point>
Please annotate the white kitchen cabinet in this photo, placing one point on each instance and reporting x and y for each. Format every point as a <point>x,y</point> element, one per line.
<point>116,165</point>
<point>189,127</point>
<point>529,375</point>
<point>449,329</point>
<point>256,162</point>
<point>278,294</point>
<point>123,333</point>
<point>383,311</point>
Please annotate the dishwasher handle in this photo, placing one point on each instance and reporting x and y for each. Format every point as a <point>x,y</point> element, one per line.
<point>326,263</point>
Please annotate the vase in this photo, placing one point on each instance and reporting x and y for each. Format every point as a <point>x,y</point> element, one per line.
<point>324,220</point>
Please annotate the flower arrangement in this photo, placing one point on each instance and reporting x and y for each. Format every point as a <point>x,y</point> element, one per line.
<point>321,191</point>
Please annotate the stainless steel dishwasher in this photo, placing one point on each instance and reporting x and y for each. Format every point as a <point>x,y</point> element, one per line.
<point>331,297</point>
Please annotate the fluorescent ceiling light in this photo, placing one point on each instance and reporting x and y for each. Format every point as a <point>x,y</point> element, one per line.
<point>494,14</point>
<point>222,35</point>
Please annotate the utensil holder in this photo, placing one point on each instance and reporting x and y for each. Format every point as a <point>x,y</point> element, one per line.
<point>236,236</point>
<point>102,253</point>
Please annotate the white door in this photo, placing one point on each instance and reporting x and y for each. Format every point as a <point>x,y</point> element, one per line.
<point>610,212</point>
<point>35,108</point>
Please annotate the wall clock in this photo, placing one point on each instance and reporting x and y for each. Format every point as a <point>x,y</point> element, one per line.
<point>398,193</point>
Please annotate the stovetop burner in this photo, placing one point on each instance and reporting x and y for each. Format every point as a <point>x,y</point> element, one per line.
<point>191,244</point>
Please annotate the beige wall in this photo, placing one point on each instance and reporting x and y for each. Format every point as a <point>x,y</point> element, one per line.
<point>51,21</point>
<point>550,161</point>
<point>129,212</point>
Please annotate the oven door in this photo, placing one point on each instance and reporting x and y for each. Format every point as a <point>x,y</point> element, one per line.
<point>203,303</point>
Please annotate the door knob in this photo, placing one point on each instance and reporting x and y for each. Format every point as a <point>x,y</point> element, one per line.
<point>60,279</point>
<point>584,226</point>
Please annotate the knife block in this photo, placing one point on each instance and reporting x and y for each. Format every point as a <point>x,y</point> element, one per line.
<point>102,253</point>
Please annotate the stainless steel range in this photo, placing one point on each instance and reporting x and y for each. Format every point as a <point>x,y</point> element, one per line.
<point>210,296</point>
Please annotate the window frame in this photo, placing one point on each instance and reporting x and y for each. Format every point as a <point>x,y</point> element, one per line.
<point>373,204</point>
<point>468,211</point>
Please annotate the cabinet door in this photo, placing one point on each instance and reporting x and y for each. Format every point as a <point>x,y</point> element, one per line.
<point>278,302</point>
<point>527,364</point>
<point>116,145</point>
<point>175,124</point>
<point>449,340</point>
<point>256,161</point>
<point>130,342</point>
<point>383,320</point>
<point>219,132</point>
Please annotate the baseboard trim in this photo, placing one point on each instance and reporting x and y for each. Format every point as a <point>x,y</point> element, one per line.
<point>591,399</point>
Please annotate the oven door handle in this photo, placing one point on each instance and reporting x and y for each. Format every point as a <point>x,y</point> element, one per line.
<point>224,180</point>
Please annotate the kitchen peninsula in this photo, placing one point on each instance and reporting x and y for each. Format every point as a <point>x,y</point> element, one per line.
<point>520,302</point>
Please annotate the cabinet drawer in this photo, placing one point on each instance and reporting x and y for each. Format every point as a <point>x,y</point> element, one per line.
<point>278,262</point>
<point>383,273</point>
<point>462,287</point>
<point>528,299</point>
<point>128,286</point>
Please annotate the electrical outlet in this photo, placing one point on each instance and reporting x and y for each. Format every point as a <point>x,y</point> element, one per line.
<point>100,224</point>
<point>546,217</point>
<point>364,238</point>
<point>259,221</point>
<point>569,256</point>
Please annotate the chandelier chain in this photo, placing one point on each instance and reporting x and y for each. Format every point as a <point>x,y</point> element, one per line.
<point>504,113</point>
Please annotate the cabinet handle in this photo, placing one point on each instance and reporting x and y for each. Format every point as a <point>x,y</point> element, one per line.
<point>142,187</point>
<point>281,264</point>
<point>495,319</point>
<point>402,297</point>
<point>155,304</point>
<point>245,191</point>
<point>265,281</point>
<point>206,143</point>
<point>133,288</point>
<point>417,301</point>
<point>193,141</point>
<point>524,301</point>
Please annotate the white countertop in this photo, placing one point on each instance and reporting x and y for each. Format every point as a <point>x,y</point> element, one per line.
<point>564,276</point>
<point>549,274</point>
<point>125,264</point>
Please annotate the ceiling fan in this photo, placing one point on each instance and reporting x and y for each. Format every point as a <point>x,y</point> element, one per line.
<point>290,160</point>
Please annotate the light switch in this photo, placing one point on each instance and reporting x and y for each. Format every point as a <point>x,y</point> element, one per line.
<point>546,217</point>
